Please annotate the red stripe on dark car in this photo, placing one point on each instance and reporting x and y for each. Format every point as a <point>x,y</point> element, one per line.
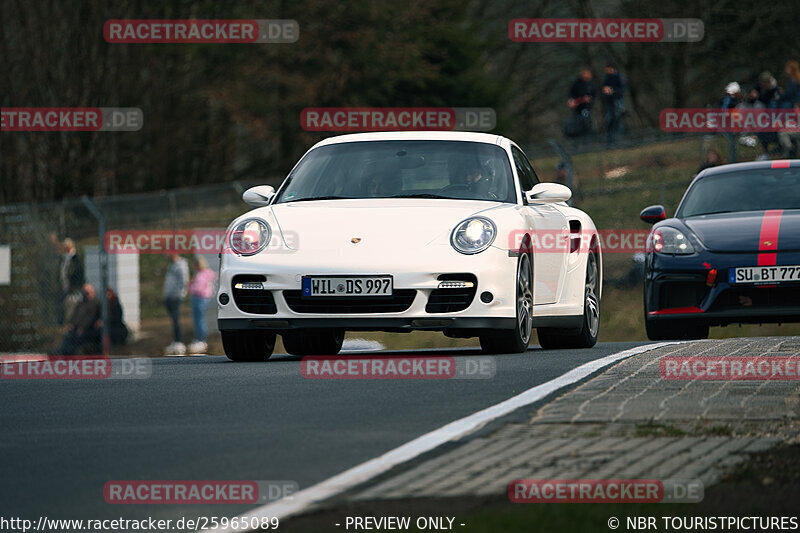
<point>768,239</point>
<point>676,311</point>
<point>765,260</point>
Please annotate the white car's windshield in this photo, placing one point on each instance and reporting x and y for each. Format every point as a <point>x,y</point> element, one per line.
<point>402,169</point>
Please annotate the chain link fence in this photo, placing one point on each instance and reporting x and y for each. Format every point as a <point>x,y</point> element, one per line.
<point>37,297</point>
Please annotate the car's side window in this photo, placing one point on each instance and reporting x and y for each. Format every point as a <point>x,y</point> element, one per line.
<point>527,177</point>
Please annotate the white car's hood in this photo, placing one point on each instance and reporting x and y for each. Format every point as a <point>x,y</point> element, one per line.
<point>380,224</point>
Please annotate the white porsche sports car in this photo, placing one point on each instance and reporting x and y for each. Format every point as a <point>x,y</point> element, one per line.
<point>408,231</point>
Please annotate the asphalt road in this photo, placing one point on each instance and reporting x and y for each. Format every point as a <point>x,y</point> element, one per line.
<point>206,418</point>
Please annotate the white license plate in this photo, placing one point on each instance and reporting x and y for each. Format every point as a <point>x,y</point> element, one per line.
<point>347,285</point>
<point>765,274</point>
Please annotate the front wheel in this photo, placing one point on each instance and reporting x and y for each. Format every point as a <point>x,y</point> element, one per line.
<point>516,340</point>
<point>313,341</point>
<point>586,336</point>
<point>248,346</point>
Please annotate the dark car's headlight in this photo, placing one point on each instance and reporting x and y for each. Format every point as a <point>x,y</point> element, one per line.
<point>669,240</point>
<point>249,236</point>
<point>473,235</point>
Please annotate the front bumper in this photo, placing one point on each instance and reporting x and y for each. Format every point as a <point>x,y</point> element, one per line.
<point>413,286</point>
<point>368,324</point>
<point>680,288</point>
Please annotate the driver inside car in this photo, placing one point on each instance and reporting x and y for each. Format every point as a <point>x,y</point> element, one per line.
<point>469,176</point>
<point>381,185</point>
<point>477,181</point>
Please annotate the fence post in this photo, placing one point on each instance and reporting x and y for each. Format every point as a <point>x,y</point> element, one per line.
<point>101,230</point>
<point>173,210</point>
<point>731,147</point>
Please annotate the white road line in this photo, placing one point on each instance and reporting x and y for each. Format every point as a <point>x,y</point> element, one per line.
<point>348,479</point>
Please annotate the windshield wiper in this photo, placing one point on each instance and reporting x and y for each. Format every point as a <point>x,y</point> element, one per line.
<point>713,213</point>
<point>421,195</point>
<point>318,198</point>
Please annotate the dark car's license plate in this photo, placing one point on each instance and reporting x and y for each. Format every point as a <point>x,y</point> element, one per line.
<point>764,274</point>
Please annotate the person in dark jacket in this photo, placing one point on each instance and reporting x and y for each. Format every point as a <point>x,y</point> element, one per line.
<point>176,283</point>
<point>581,99</point>
<point>117,330</point>
<point>71,276</point>
<point>765,94</point>
<point>733,96</point>
<point>790,99</point>
<point>613,100</point>
<point>84,330</point>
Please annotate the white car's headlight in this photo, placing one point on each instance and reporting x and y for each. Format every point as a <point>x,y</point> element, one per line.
<point>473,235</point>
<point>249,236</point>
<point>669,240</point>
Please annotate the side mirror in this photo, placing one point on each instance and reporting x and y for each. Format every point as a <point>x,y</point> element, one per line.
<point>653,214</point>
<point>258,196</point>
<point>548,193</point>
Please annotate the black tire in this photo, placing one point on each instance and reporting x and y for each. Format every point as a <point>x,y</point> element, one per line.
<point>586,336</point>
<point>667,330</point>
<point>516,340</point>
<point>313,341</point>
<point>248,346</point>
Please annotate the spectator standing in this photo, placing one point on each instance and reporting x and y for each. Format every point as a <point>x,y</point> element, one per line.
<point>765,95</point>
<point>175,285</point>
<point>581,99</point>
<point>117,330</point>
<point>84,325</point>
<point>201,290</point>
<point>790,96</point>
<point>613,101</point>
<point>790,99</point>
<point>765,92</point>
<point>733,96</point>
<point>71,276</point>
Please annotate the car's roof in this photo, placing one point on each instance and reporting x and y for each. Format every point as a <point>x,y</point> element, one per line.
<point>417,136</point>
<point>752,165</point>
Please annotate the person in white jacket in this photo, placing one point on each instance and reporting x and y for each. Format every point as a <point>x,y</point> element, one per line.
<point>175,285</point>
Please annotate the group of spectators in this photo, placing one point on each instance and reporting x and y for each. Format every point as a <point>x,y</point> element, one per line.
<point>79,308</point>
<point>766,93</point>
<point>582,96</point>
<point>200,290</point>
